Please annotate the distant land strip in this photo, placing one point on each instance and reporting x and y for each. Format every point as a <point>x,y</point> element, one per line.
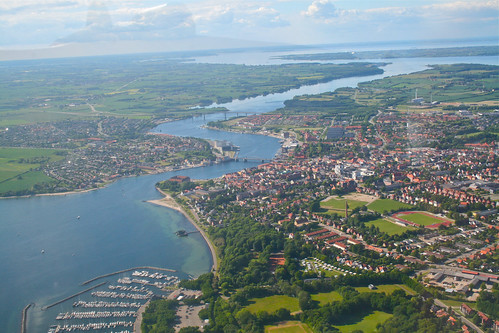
<point>471,51</point>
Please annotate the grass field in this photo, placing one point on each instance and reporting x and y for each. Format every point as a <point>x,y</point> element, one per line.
<point>386,288</point>
<point>17,167</point>
<point>324,298</point>
<point>339,204</point>
<point>366,323</point>
<point>387,227</point>
<point>454,303</point>
<point>25,181</point>
<point>331,273</point>
<point>289,327</point>
<point>273,303</point>
<point>421,219</point>
<point>388,205</point>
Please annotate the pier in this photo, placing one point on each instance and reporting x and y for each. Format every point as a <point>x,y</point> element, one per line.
<point>68,298</point>
<point>183,233</point>
<point>25,316</point>
<point>128,270</point>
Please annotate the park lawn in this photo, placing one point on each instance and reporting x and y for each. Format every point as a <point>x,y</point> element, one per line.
<point>386,288</point>
<point>340,213</point>
<point>387,227</point>
<point>382,205</point>
<point>324,298</point>
<point>289,327</point>
<point>421,219</point>
<point>366,323</point>
<point>273,303</point>
<point>339,204</point>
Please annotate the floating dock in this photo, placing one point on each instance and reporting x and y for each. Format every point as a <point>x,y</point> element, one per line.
<point>128,270</point>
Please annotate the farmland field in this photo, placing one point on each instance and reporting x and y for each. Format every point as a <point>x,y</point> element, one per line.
<point>18,167</point>
<point>24,181</point>
<point>128,87</point>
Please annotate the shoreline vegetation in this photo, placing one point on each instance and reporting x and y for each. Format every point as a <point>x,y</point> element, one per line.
<point>169,202</point>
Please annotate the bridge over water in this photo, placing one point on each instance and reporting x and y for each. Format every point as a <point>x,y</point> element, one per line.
<point>252,159</point>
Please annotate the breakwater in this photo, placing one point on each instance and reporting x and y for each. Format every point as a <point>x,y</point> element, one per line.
<point>127,270</point>
<point>69,297</point>
<point>25,316</point>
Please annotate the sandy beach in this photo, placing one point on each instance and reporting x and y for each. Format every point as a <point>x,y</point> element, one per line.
<point>169,202</point>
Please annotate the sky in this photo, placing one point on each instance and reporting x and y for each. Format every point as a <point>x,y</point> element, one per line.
<point>25,23</point>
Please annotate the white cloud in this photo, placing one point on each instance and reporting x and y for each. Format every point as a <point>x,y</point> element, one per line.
<point>293,21</point>
<point>323,10</point>
<point>235,16</point>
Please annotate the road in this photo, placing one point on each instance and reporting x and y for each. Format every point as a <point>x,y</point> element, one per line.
<point>462,318</point>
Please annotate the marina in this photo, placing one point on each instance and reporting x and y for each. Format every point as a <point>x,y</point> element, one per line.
<point>102,304</point>
<point>95,314</point>
<point>127,270</point>
<point>91,327</point>
<point>112,305</point>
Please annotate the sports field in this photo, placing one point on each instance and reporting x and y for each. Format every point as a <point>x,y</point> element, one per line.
<point>422,218</point>
<point>339,204</point>
<point>273,303</point>
<point>388,205</point>
<point>388,227</point>
<point>289,327</point>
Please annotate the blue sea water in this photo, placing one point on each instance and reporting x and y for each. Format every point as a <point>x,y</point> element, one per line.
<point>117,229</point>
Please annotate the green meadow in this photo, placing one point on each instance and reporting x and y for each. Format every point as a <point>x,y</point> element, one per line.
<point>18,167</point>
<point>324,298</point>
<point>289,327</point>
<point>386,288</point>
<point>365,323</point>
<point>273,303</point>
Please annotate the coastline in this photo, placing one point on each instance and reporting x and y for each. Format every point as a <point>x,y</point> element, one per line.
<point>56,194</point>
<point>104,185</point>
<point>168,202</point>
